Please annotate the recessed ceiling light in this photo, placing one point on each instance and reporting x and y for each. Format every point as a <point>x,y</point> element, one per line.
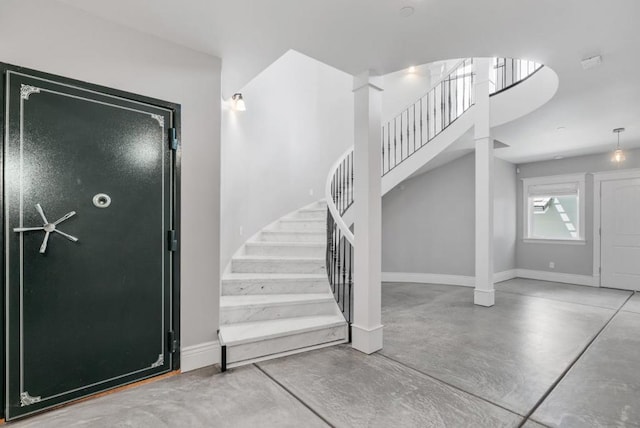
<point>411,69</point>
<point>407,11</point>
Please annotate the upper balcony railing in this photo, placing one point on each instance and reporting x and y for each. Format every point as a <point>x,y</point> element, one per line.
<point>507,72</point>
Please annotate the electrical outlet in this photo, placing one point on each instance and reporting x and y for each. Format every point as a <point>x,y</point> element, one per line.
<point>552,265</point>
<point>241,230</point>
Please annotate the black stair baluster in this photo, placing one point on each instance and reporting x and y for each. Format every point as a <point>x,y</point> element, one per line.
<point>421,140</point>
<point>408,126</point>
<point>401,136</point>
<point>414,127</point>
<point>344,272</point>
<point>395,140</point>
<point>389,146</point>
<point>352,175</point>
<point>350,318</point>
<point>382,166</point>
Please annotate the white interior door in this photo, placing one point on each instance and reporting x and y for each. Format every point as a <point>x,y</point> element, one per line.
<point>620,244</point>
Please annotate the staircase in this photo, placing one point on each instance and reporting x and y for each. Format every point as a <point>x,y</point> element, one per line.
<point>290,288</point>
<point>276,299</point>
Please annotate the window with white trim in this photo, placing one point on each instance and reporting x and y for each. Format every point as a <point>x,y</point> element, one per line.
<point>554,208</point>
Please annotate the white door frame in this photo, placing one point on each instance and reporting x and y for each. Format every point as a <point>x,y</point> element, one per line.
<point>598,178</point>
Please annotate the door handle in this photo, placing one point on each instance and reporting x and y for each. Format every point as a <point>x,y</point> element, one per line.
<point>48,228</point>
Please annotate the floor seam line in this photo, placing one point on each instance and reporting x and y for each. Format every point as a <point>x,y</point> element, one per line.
<point>563,301</point>
<point>572,364</point>
<point>457,388</point>
<point>288,391</point>
<point>537,422</point>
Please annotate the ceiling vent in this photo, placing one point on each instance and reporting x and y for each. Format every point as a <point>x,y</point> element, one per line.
<point>591,62</point>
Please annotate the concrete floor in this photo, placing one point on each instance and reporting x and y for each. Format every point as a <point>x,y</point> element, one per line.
<point>546,355</point>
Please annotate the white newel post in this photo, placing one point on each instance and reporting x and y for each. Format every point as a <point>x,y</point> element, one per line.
<point>367,305</point>
<point>484,294</point>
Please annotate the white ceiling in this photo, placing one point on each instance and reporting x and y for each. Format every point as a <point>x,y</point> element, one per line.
<point>355,35</point>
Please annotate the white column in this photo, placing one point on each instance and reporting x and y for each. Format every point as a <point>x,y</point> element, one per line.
<point>367,304</point>
<point>484,294</point>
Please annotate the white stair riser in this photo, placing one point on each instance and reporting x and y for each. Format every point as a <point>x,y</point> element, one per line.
<point>277,345</point>
<point>282,249</point>
<point>312,215</point>
<point>299,286</point>
<point>302,226</point>
<point>277,266</point>
<point>280,236</point>
<point>230,315</point>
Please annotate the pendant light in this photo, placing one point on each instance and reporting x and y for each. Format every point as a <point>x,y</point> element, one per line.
<point>618,154</point>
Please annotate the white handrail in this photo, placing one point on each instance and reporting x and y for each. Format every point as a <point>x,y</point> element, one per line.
<point>333,209</point>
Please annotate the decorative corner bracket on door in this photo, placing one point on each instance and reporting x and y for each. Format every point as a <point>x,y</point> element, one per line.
<point>27,400</point>
<point>27,90</point>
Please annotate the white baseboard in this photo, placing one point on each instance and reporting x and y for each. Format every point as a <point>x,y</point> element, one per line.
<point>436,278</point>
<point>429,278</point>
<point>566,278</point>
<point>469,281</point>
<point>200,355</point>
<point>505,275</point>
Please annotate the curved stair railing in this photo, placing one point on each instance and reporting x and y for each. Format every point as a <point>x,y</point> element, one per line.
<point>403,136</point>
<point>339,255</point>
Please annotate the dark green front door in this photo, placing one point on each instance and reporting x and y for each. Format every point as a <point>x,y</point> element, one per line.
<point>89,297</point>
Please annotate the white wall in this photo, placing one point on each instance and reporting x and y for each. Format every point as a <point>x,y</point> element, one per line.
<point>571,259</point>
<point>504,212</point>
<point>428,221</point>
<point>299,120</point>
<point>402,89</point>
<point>58,39</point>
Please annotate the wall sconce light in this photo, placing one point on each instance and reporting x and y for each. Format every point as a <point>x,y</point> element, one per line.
<point>618,154</point>
<point>238,102</point>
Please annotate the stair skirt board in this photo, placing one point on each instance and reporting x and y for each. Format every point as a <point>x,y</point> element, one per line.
<point>276,299</point>
<point>286,345</point>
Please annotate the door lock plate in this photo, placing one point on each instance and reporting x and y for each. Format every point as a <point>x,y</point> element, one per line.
<point>102,200</point>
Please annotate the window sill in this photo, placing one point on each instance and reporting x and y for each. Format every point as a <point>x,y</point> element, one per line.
<point>555,241</point>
